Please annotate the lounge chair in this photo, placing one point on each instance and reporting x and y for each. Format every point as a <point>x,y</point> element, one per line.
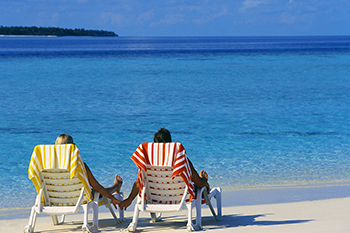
<point>60,179</point>
<point>165,184</point>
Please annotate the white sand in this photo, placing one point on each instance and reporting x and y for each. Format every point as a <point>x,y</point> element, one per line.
<point>330,215</point>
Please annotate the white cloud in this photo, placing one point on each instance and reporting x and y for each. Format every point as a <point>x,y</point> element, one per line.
<point>113,19</point>
<point>247,4</point>
<point>211,17</point>
<point>55,15</point>
<point>289,19</point>
<point>170,19</point>
<point>145,17</point>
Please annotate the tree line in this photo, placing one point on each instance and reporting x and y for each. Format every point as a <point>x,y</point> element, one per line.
<point>52,31</point>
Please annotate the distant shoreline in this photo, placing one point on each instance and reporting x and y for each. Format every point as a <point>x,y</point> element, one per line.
<point>28,36</point>
<point>51,31</point>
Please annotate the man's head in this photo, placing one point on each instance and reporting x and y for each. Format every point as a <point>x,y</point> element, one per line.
<point>163,135</point>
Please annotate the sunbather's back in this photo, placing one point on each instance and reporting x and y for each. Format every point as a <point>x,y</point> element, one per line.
<point>162,188</point>
<point>60,190</point>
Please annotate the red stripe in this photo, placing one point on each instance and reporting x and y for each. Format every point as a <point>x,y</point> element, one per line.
<point>164,153</point>
<point>148,158</point>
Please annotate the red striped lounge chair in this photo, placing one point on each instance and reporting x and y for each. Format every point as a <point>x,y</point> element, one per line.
<point>166,185</point>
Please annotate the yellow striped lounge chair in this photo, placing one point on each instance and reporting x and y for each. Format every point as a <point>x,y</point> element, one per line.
<point>59,176</point>
<point>166,184</point>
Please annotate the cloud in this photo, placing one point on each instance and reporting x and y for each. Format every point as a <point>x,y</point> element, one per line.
<point>170,19</point>
<point>198,13</point>
<point>290,19</point>
<point>113,19</point>
<point>247,4</point>
<point>211,17</point>
<point>144,17</point>
<point>55,15</point>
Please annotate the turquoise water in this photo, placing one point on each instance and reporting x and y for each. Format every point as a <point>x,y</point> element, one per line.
<point>252,112</point>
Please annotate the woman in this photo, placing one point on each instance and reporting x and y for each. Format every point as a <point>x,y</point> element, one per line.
<point>97,187</point>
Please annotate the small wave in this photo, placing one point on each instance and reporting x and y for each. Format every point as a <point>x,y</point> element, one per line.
<point>82,120</point>
<point>9,130</point>
<point>300,133</point>
<point>311,133</point>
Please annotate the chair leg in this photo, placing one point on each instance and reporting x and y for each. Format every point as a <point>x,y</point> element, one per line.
<point>95,215</point>
<point>190,225</point>
<point>199,210</point>
<point>156,217</point>
<point>189,218</point>
<point>120,197</point>
<point>121,214</point>
<point>85,226</point>
<point>54,219</point>
<point>132,226</point>
<point>108,205</point>
<point>219,203</point>
<point>32,220</point>
<point>94,227</point>
<point>216,193</point>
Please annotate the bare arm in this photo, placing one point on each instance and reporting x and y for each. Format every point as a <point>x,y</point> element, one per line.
<point>127,202</point>
<point>199,181</point>
<point>97,187</point>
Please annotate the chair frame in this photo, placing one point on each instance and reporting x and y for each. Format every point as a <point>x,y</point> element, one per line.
<point>107,203</point>
<point>56,178</point>
<point>144,203</point>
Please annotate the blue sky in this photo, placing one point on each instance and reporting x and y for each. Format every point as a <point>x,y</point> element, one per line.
<point>184,17</point>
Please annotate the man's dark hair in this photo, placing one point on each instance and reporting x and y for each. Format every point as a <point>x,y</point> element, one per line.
<point>163,135</point>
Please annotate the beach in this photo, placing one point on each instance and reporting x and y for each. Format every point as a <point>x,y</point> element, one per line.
<point>330,215</point>
<point>244,211</point>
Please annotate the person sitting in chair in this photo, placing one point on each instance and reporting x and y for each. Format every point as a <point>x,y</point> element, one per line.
<point>96,187</point>
<point>200,180</point>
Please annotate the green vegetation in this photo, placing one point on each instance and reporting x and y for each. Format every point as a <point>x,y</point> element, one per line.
<point>52,31</point>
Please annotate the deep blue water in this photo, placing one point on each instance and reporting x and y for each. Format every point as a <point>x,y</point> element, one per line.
<point>251,111</point>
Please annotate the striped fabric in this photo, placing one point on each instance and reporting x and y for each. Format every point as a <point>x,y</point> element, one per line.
<point>164,154</point>
<point>65,156</point>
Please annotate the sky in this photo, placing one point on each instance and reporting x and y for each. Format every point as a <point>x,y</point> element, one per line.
<point>184,17</point>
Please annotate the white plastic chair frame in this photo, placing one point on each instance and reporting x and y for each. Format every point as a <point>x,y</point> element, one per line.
<point>64,196</point>
<point>107,203</point>
<point>159,187</point>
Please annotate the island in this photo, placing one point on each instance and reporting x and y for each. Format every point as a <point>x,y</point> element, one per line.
<point>51,31</point>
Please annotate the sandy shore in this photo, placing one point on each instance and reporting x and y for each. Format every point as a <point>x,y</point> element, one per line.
<point>329,215</point>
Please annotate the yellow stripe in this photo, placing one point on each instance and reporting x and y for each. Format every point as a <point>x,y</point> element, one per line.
<point>48,156</point>
<point>37,151</point>
<point>66,160</point>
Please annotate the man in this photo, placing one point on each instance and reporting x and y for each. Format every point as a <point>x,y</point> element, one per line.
<point>200,180</point>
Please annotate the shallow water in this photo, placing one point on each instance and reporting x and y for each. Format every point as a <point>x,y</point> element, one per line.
<point>251,111</point>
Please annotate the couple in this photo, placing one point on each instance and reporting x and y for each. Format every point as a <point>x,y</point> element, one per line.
<point>162,136</point>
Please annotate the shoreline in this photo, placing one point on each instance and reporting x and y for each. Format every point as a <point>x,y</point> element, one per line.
<point>285,194</point>
<point>242,197</point>
<point>28,36</point>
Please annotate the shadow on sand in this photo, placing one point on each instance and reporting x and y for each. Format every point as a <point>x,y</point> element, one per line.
<point>231,221</point>
<point>171,223</point>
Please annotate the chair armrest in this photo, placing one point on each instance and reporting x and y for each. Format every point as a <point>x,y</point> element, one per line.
<point>143,198</point>
<point>38,203</point>
<point>183,198</point>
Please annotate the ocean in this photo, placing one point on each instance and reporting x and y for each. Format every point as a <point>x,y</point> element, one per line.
<point>251,111</point>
